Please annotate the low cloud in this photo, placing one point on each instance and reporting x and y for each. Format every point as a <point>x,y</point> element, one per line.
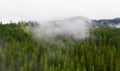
<point>75,27</point>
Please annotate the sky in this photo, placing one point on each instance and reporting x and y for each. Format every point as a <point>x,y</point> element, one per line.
<point>43,10</point>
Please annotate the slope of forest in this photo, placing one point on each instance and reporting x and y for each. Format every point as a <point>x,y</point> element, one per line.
<point>107,22</point>
<point>20,51</point>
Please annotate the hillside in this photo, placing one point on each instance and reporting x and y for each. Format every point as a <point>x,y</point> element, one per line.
<point>107,22</point>
<point>21,51</point>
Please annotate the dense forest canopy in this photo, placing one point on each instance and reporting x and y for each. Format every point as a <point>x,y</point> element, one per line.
<point>21,51</point>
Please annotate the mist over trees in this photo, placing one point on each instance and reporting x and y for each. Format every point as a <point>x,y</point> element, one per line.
<point>21,51</point>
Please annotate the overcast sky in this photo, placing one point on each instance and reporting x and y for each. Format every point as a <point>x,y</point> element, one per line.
<point>42,10</point>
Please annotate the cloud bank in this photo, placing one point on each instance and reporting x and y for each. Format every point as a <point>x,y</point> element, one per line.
<point>75,27</point>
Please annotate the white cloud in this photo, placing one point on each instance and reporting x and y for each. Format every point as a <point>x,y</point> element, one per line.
<point>77,28</point>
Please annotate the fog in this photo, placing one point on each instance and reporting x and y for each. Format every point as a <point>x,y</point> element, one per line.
<point>115,25</point>
<point>45,10</point>
<point>75,27</point>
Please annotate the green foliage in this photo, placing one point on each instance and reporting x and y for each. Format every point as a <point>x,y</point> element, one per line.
<point>19,51</point>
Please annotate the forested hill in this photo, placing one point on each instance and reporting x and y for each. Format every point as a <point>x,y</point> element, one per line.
<point>21,51</point>
<point>106,22</point>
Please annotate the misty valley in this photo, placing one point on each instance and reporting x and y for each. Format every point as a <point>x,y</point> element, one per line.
<point>74,44</point>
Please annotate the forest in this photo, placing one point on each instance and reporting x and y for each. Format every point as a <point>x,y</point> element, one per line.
<point>21,51</point>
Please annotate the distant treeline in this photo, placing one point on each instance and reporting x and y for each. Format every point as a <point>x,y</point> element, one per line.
<point>106,22</point>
